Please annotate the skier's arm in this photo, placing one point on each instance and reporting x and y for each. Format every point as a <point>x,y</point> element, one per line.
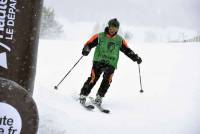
<point>92,42</point>
<point>128,52</point>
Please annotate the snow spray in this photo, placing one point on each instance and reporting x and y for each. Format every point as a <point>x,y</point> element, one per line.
<point>19,35</point>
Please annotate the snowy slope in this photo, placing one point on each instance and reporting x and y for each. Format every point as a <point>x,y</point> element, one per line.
<point>169,104</point>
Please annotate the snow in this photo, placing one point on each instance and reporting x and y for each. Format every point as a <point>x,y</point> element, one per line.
<point>169,104</point>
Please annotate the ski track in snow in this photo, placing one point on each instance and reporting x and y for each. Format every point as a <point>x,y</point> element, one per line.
<point>169,104</point>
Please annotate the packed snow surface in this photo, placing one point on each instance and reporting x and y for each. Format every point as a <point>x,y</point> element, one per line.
<point>169,105</point>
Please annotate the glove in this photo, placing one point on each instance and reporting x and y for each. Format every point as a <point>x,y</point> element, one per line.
<point>136,58</point>
<point>86,50</point>
<point>139,60</point>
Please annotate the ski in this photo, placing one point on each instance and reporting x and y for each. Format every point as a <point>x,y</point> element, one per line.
<point>87,106</point>
<point>99,107</point>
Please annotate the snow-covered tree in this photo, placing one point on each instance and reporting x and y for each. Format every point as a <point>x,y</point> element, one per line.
<point>50,28</point>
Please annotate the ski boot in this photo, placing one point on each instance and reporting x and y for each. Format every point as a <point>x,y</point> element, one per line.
<point>82,99</point>
<point>98,100</point>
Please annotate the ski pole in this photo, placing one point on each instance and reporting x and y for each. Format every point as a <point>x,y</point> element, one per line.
<point>141,90</point>
<point>56,87</point>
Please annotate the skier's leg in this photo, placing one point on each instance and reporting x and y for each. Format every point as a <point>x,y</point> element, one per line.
<point>91,81</point>
<point>107,79</point>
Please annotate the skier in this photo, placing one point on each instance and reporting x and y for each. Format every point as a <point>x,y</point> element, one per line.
<point>108,44</point>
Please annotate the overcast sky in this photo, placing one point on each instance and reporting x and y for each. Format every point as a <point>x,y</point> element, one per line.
<point>162,13</point>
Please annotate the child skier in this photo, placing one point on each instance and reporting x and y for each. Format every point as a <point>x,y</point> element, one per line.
<point>106,55</point>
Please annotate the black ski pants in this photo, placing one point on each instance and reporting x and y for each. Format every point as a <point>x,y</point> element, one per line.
<point>97,69</point>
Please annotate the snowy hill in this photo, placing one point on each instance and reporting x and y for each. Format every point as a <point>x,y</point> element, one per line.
<point>169,104</point>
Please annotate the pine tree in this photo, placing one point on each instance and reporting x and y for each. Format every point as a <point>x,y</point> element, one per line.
<point>50,28</point>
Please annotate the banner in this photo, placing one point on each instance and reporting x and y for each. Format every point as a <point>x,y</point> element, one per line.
<point>19,31</point>
<point>19,35</point>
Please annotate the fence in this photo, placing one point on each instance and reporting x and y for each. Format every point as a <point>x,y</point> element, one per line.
<point>195,39</point>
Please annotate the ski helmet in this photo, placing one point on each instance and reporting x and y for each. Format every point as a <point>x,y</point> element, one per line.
<point>113,22</point>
